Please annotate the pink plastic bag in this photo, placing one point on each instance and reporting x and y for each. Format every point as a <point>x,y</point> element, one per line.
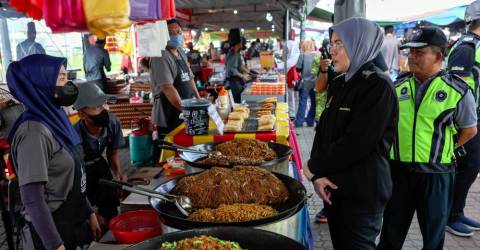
<point>167,9</point>
<point>64,15</point>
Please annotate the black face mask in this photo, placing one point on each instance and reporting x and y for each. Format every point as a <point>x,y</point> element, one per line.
<point>66,95</point>
<point>101,120</point>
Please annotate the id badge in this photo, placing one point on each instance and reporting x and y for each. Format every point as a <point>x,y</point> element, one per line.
<point>185,76</point>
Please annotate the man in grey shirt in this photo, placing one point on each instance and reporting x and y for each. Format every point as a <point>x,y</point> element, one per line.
<point>94,60</point>
<point>172,81</point>
<point>390,52</point>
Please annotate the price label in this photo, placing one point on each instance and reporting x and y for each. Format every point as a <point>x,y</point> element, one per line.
<point>212,112</point>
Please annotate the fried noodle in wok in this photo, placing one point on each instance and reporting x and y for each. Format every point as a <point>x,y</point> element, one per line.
<point>233,213</point>
<point>217,186</point>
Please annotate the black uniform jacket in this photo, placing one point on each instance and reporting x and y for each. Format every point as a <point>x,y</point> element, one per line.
<point>354,136</point>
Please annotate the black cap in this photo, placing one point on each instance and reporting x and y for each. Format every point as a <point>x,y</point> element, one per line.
<point>427,36</point>
<point>234,37</point>
<point>173,20</point>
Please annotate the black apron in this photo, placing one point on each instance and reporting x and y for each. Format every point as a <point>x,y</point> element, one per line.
<point>96,168</point>
<point>71,217</point>
<point>183,85</point>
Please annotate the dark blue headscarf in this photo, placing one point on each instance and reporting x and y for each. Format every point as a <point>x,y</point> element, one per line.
<point>32,81</point>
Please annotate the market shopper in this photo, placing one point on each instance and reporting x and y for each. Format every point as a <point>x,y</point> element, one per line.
<point>195,59</point>
<point>96,58</point>
<point>463,62</point>
<point>29,46</point>
<point>212,53</point>
<point>291,52</point>
<point>172,81</point>
<point>234,67</point>
<point>306,85</point>
<point>48,157</point>
<point>349,159</point>
<point>433,105</point>
<point>100,132</point>
<point>390,52</point>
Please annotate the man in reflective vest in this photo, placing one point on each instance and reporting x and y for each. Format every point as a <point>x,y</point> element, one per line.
<point>464,61</point>
<point>434,108</point>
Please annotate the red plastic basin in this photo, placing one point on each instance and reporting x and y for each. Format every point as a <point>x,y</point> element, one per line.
<point>135,226</point>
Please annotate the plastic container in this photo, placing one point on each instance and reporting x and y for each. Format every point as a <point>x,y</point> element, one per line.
<point>141,149</point>
<point>195,114</point>
<point>135,226</point>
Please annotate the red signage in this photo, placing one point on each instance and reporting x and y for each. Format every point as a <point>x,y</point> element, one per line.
<point>184,15</point>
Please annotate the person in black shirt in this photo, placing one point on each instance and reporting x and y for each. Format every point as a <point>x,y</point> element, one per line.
<point>349,159</point>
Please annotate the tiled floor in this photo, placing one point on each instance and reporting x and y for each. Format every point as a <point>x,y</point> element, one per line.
<point>414,239</point>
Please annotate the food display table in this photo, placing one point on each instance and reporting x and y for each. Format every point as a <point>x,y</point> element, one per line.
<point>280,135</point>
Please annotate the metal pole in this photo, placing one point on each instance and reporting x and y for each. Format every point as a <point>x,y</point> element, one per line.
<point>303,18</point>
<point>6,49</point>
<point>287,33</point>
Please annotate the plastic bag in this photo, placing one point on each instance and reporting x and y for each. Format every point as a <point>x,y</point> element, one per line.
<point>145,9</point>
<point>106,16</point>
<point>65,15</point>
<point>152,39</point>
<point>167,9</point>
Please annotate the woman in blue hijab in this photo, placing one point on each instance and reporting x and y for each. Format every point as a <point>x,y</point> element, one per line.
<point>47,156</point>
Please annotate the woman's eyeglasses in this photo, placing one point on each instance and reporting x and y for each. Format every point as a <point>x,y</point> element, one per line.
<point>334,48</point>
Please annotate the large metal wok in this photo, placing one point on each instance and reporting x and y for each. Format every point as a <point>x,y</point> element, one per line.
<point>248,238</point>
<point>174,218</point>
<point>283,153</point>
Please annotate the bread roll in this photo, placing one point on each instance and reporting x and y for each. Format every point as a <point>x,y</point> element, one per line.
<point>232,128</point>
<point>267,127</point>
<point>235,123</point>
<point>236,116</point>
<point>266,120</point>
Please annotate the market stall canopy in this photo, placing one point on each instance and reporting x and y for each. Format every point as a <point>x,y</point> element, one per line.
<point>448,16</point>
<point>439,17</point>
<point>321,15</point>
<point>250,14</point>
<point>9,12</point>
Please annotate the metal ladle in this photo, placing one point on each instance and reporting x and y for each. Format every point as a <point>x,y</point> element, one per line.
<point>170,146</point>
<point>183,203</point>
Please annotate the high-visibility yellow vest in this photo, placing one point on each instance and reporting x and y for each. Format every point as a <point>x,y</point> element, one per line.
<point>425,133</point>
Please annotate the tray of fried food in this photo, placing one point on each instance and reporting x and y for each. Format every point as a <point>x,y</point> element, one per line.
<point>263,107</point>
<point>261,113</point>
<point>266,123</point>
<point>267,106</point>
<point>273,99</point>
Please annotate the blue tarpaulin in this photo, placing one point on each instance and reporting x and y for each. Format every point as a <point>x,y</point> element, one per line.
<point>447,17</point>
<point>444,17</point>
